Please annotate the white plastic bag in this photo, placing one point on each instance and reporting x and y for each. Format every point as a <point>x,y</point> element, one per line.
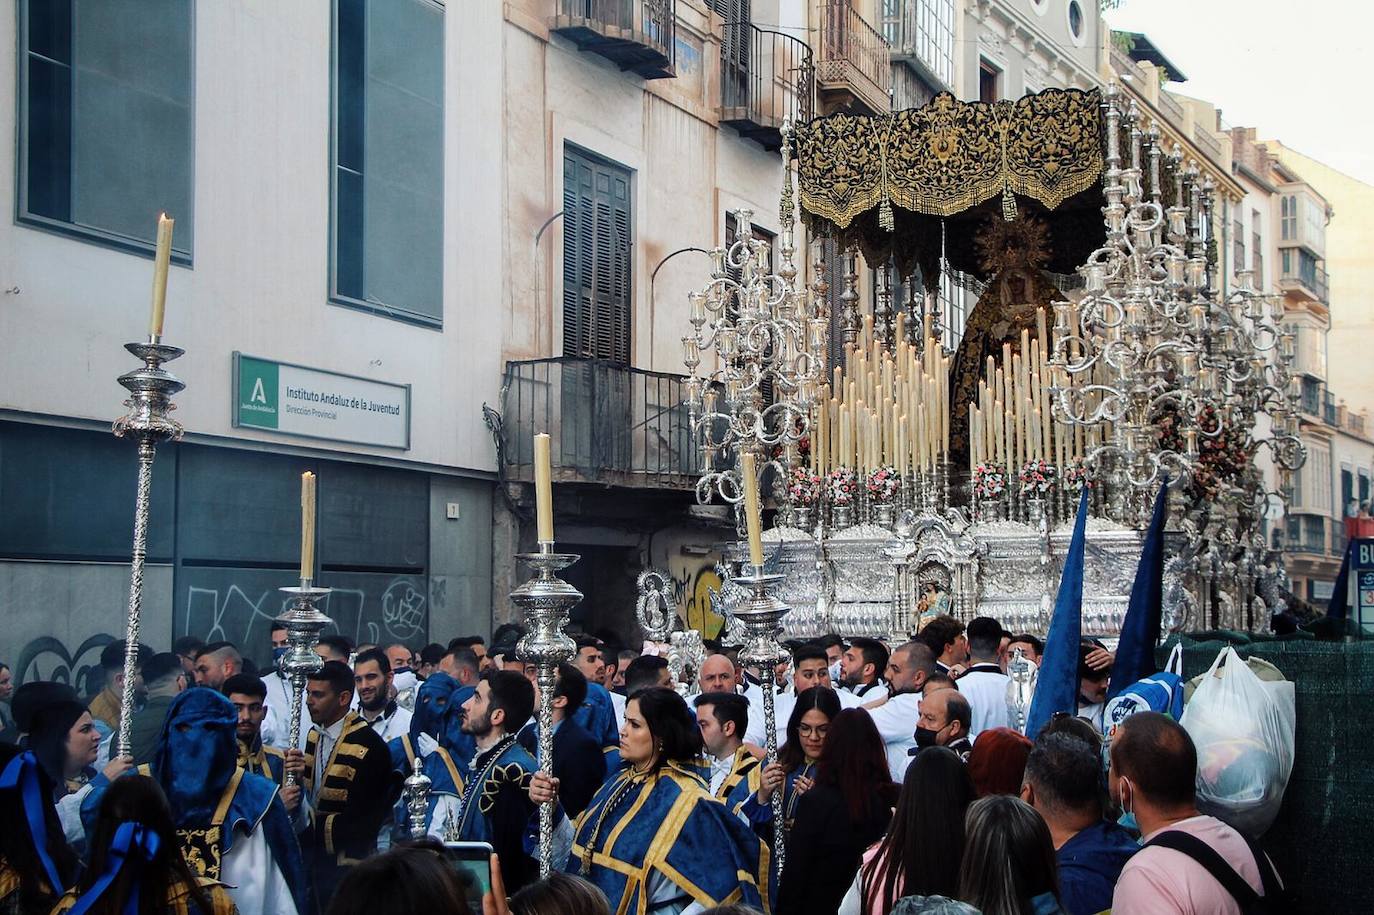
<point>1244,731</point>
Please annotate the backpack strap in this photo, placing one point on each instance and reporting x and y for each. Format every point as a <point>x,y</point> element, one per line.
<point>1205,855</point>
<point>1269,875</point>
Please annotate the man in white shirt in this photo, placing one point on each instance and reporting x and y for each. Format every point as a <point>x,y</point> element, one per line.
<point>983,684</point>
<point>373,679</point>
<point>862,668</point>
<point>897,713</point>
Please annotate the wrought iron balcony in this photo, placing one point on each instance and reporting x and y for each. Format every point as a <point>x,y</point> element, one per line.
<point>1307,534</point>
<point>1309,282</point>
<point>609,424</point>
<point>765,78</point>
<point>637,35</point>
<point>853,63</point>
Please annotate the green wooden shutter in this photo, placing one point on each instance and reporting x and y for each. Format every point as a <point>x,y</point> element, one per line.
<point>597,251</point>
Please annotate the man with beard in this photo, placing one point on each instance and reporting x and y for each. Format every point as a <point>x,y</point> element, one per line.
<point>349,782</point>
<point>496,805</point>
<point>248,695</point>
<point>373,678</point>
<point>897,714</point>
<point>862,668</point>
<point>233,827</point>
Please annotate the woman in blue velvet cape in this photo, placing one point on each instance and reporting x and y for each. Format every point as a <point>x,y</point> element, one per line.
<point>653,839</point>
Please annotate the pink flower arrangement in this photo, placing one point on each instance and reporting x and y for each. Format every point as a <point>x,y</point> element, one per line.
<point>803,486</point>
<point>842,486</point>
<point>989,481</point>
<point>1037,477</point>
<point>1076,477</point>
<point>883,484</point>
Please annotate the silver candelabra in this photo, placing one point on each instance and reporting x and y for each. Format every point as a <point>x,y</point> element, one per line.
<point>770,337</point>
<point>546,600</point>
<point>1133,345</point>
<point>304,622</point>
<point>150,390</point>
<point>760,614</point>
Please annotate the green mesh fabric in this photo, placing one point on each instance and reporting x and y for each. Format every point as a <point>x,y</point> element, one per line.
<point>1320,841</point>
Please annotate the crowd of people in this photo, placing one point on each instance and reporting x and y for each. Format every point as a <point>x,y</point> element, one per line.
<point>902,786</point>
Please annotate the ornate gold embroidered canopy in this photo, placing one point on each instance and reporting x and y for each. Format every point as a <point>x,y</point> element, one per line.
<point>894,184</point>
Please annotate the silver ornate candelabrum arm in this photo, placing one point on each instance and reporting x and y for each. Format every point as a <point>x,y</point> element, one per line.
<point>546,601</point>
<point>150,390</point>
<point>417,798</point>
<point>304,622</point>
<point>761,615</point>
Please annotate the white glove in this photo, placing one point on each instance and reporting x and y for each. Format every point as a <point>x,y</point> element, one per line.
<point>426,744</point>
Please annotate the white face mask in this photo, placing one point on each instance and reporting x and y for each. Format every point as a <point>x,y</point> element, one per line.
<point>835,673</point>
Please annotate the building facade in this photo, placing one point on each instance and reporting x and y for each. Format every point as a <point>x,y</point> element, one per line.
<point>332,250</point>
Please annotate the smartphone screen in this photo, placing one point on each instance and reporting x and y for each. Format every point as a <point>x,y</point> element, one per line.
<point>472,861</point>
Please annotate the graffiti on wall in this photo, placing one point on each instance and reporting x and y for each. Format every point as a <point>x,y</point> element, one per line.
<point>239,605</point>
<point>47,658</point>
<point>692,568</point>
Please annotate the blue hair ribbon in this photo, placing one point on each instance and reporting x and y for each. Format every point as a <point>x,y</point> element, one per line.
<point>133,842</point>
<point>22,773</point>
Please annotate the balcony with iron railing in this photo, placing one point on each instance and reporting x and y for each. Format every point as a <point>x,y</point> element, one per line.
<point>765,78</point>
<point>853,62</point>
<point>920,33</point>
<point>1309,282</point>
<point>637,35</point>
<point>609,423</point>
<point>1308,534</point>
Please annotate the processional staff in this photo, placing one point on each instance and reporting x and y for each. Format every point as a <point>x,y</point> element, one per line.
<point>761,616</point>
<point>303,621</point>
<point>546,601</point>
<point>147,422</point>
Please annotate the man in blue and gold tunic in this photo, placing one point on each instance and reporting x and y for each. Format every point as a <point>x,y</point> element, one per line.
<point>248,695</point>
<point>734,774</point>
<point>349,783</point>
<point>496,806</point>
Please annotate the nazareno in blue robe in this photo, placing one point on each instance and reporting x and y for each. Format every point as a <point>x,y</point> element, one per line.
<point>675,828</point>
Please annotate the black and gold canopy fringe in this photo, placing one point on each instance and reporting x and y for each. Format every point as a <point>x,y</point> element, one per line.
<point>886,183</point>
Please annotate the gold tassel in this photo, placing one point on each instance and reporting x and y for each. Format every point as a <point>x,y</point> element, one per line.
<point>886,221</point>
<point>1008,205</point>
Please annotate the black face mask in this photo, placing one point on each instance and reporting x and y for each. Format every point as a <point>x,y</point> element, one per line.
<point>925,737</point>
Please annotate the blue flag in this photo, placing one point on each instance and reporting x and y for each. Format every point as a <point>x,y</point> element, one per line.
<point>1338,607</point>
<point>1135,654</point>
<point>1056,689</point>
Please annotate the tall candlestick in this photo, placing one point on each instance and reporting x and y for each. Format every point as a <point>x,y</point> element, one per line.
<point>543,488</point>
<point>161,261</point>
<point>307,526</point>
<point>752,520</point>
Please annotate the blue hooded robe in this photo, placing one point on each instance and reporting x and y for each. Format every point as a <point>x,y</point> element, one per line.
<point>438,713</point>
<point>666,823</point>
<point>196,763</point>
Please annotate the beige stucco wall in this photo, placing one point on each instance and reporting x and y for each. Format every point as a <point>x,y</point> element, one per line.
<point>1350,269</point>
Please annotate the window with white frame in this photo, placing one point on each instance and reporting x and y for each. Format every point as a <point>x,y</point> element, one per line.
<point>1288,217</point>
<point>935,37</point>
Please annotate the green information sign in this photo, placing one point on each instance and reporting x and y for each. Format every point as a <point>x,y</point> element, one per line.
<point>313,403</point>
<point>258,385</point>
